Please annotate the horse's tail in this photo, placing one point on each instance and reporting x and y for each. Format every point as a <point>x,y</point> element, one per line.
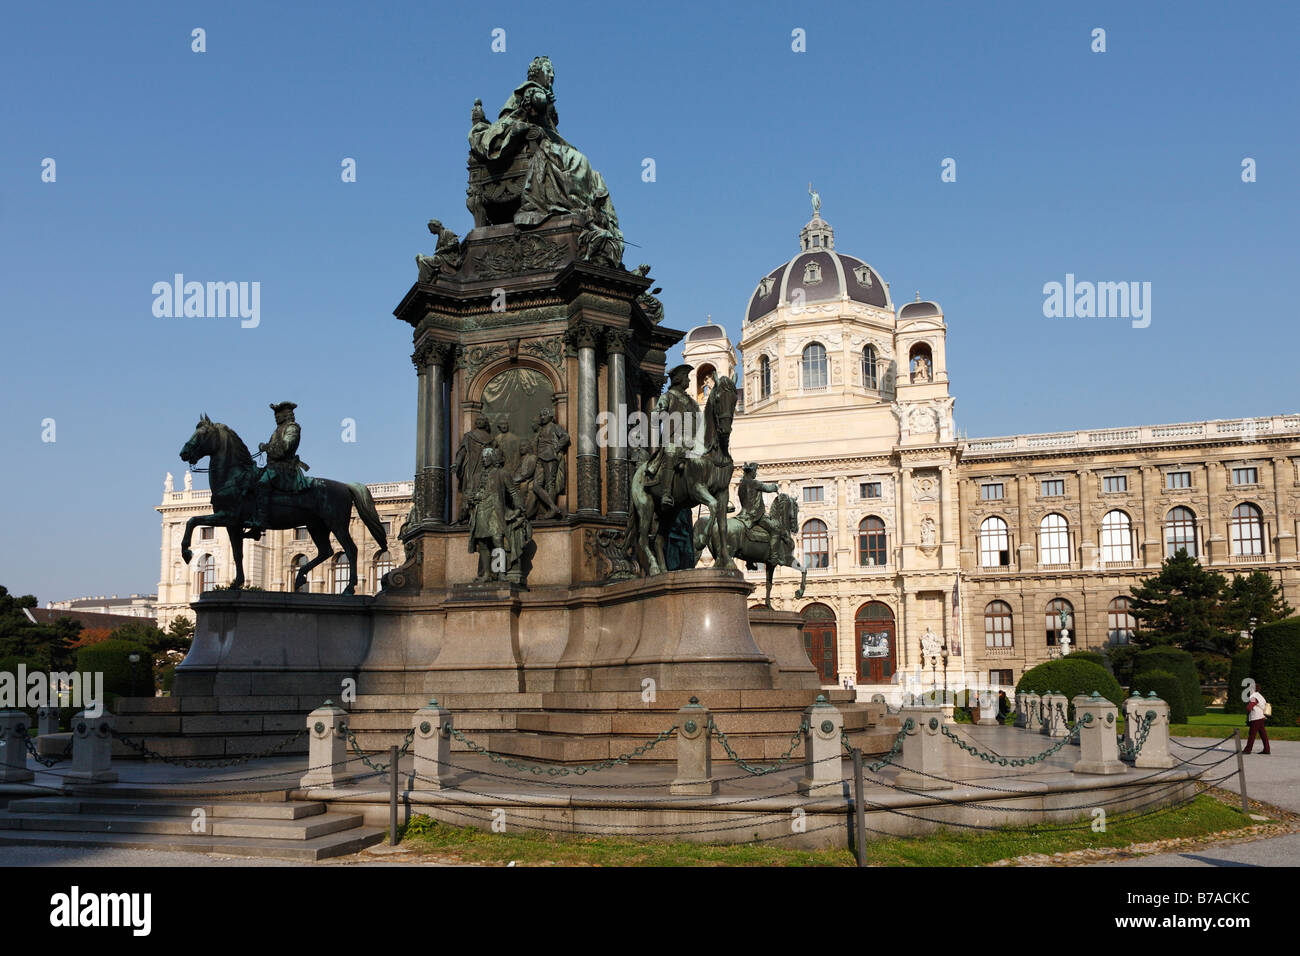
<point>366,511</point>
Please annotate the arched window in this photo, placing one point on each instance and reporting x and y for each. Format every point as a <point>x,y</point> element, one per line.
<point>995,543</point>
<point>872,544</point>
<point>1053,614</point>
<point>205,573</point>
<point>814,366</point>
<point>342,571</point>
<point>294,565</point>
<point>997,624</point>
<point>1246,530</point>
<point>1116,537</point>
<point>869,379</point>
<point>383,564</point>
<point>1180,532</point>
<point>1053,540</point>
<point>1120,624</point>
<point>819,640</point>
<point>764,377</point>
<point>875,639</point>
<point>815,540</point>
<point>705,378</point>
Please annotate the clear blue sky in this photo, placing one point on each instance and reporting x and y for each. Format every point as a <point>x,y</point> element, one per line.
<point>225,165</point>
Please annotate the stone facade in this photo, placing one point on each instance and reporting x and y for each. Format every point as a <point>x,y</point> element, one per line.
<point>911,533</point>
<point>268,563</point>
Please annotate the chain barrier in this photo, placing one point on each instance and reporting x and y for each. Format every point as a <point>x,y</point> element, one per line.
<point>1132,750</point>
<point>1214,746</point>
<point>378,768</point>
<point>144,750</point>
<point>877,765</point>
<point>46,761</point>
<point>560,771</point>
<point>1017,761</point>
<point>795,740</point>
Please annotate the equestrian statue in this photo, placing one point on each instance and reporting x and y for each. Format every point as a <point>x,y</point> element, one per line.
<point>247,500</point>
<point>691,466</point>
<point>759,537</point>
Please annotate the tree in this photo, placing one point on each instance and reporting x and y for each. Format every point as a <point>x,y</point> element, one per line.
<point>1180,605</point>
<point>42,646</point>
<point>144,633</point>
<point>1251,600</point>
<point>180,632</point>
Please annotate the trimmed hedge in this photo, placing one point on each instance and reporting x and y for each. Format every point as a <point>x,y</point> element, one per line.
<point>1179,663</point>
<point>1275,665</point>
<point>112,658</point>
<point>1237,675</point>
<point>1168,687</point>
<point>1071,677</point>
<point>1096,658</point>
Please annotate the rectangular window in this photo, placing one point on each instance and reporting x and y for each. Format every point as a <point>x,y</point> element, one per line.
<point>1002,678</point>
<point>1178,479</point>
<point>1245,476</point>
<point>1114,483</point>
<point>869,489</point>
<point>991,492</point>
<point>813,494</point>
<point>300,534</point>
<point>205,533</point>
<point>1053,489</point>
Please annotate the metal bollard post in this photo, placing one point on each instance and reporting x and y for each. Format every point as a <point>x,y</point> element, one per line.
<point>922,759</point>
<point>392,795</point>
<point>92,750</point>
<point>694,751</point>
<point>13,747</point>
<point>1241,770</point>
<point>859,811</point>
<point>1155,749</point>
<point>823,774</point>
<point>1098,744</point>
<point>432,747</point>
<point>327,752</point>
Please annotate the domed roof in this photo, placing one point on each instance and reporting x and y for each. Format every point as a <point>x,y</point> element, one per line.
<point>818,274</point>
<point>702,332</point>
<point>919,309</point>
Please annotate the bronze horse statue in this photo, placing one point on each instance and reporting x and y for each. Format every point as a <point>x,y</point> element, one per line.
<point>703,479</point>
<point>325,508</point>
<point>755,551</point>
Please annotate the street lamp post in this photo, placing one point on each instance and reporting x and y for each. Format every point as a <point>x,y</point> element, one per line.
<point>134,659</point>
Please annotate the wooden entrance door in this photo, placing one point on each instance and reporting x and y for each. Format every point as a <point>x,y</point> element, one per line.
<point>819,640</point>
<point>874,633</point>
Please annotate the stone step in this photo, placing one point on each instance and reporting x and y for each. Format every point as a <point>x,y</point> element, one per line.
<point>310,828</point>
<point>309,850</point>
<point>289,810</point>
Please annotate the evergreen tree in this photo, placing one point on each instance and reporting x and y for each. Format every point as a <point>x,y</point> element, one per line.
<point>1253,596</point>
<point>1180,605</point>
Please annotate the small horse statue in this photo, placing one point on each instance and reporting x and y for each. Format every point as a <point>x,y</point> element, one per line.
<point>703,479</point>
<point>325,508</point>
<point>757,549</point>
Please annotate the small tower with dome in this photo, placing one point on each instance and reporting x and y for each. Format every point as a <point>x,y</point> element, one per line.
<point>708,350</point>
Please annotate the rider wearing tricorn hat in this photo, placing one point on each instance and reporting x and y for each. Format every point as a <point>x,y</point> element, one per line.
<point>752,510</point>
<point>678,412</point>
<point>284,470</point>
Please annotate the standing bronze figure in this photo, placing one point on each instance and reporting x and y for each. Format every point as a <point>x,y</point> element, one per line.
<point>469,461</point>
<point>498,529</point>
<point>323,506</point>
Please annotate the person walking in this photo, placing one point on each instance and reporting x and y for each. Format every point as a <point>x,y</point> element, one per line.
<point>1256,719</point>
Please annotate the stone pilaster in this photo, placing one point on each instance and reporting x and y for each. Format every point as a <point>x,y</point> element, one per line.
<point>583,337</point>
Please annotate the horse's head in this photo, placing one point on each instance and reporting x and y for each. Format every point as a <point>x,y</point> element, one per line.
<point>785,512</point>
<point>201,443</point>
<point>718,413</point>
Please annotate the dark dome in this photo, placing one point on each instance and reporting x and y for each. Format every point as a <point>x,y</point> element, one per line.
<point>823,276</point>
<point>709,331</point>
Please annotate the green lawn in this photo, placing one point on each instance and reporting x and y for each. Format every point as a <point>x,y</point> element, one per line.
<point>1219,724</point>
<point>1203,816</point>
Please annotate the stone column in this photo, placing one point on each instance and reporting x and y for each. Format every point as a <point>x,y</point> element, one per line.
<point>616,466</point>
<point>92,750</point>
<point>1285,549</point>
<point>904,532</point>
<point>694,751</point>
<point>922,761</point>
<point>327,748</point>
<point>822,751</point>
<point>1087,533</point>
<point>14,728</point>
<point>430,360</point>
<point>1098,745</point>
<point>432,747</point>
<point>582,337</point>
